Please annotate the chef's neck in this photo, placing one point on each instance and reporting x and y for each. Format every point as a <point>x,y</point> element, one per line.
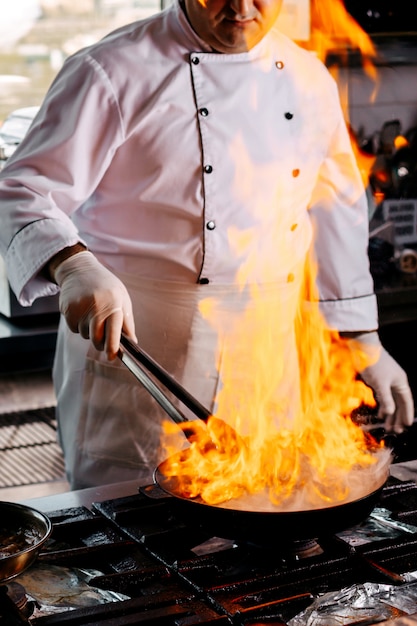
<point>184,8</point>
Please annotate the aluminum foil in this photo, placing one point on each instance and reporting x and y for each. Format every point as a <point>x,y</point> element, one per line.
<point>55,589</point>
<point>368,603</point>
<point>379,525</point>
<point>402,621</point>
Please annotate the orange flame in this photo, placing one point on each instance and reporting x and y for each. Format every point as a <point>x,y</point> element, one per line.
<point>284,433</point>
<point>296,444</point>
<point>334,29</point>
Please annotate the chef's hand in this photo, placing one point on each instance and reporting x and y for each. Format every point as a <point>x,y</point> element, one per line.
<point>387,380</point>
<point>94,302</point>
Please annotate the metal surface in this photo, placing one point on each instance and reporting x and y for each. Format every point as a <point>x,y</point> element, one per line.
<point>165,378</point>
<point>83,497</point>
<point>163,400</point>
<point>139,363</point>
<point>17,518</point>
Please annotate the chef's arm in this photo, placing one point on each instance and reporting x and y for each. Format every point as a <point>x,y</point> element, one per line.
<point>385,377</point>
<point>94,302</point>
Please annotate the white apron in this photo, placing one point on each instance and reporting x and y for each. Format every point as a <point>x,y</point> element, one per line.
<point>109,425</point>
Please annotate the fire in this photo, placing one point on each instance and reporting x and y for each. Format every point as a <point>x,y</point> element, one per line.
<point>334,29</point>
<point>282,436</point>
<point>296,444</point>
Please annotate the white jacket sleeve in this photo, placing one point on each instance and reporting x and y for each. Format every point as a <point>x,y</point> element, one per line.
<point>54,170</point>
<point>339,213</point>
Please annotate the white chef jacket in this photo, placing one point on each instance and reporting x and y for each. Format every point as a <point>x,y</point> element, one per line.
<point>178,165</point>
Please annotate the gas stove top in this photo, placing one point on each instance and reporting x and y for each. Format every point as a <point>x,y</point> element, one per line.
<point>129,560</point>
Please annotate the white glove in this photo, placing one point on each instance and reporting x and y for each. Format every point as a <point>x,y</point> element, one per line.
<point>94,302</point>
<point>387,380</point>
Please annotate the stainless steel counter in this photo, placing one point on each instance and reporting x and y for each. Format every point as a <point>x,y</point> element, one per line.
<point>83,497</point>
<point>405,471</point>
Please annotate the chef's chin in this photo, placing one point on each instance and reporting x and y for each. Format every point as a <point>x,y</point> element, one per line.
<point>236,37</point>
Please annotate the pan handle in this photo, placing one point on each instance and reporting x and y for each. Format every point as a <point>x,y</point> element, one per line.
<point>165,378</point>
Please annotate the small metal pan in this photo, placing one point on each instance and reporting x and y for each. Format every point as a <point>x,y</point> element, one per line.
<point>23,532</point>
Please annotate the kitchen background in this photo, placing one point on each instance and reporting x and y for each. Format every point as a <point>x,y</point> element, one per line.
<point>122,555</point>
<point>35,38</point>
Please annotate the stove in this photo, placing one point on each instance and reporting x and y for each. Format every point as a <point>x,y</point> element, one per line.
<point>130,560</point>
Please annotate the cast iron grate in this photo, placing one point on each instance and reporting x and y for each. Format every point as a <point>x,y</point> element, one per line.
<point>29,451</point>
<point>172,573</point>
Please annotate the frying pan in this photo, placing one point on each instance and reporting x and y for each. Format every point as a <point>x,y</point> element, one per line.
<point>265,527</point>
<point>28,529</point>
<point>252,524</point>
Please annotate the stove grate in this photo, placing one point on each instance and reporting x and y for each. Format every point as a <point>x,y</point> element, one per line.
<point>171,574</point>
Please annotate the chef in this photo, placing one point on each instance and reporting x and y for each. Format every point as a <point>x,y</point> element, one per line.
<point>152,147</point>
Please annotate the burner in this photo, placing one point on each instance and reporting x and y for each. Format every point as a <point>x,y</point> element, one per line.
<point>15,602</point>
<point>305,548</point>
<point>293,549</point>
<point>17,594</point>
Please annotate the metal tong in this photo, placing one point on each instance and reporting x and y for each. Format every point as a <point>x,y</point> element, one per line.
<point>138,362</point>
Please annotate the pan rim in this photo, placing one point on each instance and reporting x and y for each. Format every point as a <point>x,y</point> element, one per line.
<point>25,511</point>
<point>197,501</point>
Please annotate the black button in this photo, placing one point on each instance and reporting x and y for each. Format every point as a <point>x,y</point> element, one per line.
<point>204,281</point>
<point>204,112</point>
<point>208,169</point>
<point>289,116</point>
<point>211,225</point>
<point>195,60</point>
<point>279,65</point>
